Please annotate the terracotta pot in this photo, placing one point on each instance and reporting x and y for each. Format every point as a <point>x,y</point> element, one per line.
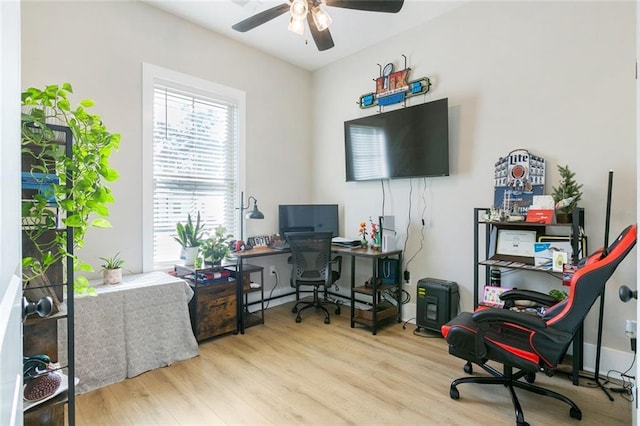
<point>112,276</point>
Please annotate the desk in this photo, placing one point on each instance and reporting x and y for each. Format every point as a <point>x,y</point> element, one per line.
<point>129,328</point>
<point>374,255</point>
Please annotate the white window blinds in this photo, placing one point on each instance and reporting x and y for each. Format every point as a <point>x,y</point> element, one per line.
<point>195,157</point>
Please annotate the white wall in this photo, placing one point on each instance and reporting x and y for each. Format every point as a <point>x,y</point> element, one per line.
<point>99,48</point>
<point>10,283</point>
<point>554,78</point>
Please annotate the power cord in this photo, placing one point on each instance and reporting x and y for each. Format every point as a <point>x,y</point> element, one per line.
<point>626,390</point>
<point>416,331</point>
<point>273,288</point>
<point>392,295</point>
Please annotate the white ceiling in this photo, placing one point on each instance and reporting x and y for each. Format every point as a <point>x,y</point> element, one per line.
<point>352,30</point>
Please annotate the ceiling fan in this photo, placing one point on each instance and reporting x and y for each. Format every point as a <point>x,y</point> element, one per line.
<point>317,17</point>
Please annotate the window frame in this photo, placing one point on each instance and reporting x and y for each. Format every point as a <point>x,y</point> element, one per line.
<point>151,75</point>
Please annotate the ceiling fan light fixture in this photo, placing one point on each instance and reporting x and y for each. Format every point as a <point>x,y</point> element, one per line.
<point>321,17</point>
<point>298,9</point>
<point>296,25</point>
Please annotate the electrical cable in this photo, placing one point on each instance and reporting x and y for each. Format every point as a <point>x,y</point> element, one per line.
<point>406,238</point>
<point>626,390</point>
<point>273,288</point>
<point>383,195</point>
<point>427,336</point>
<point>424,209</point>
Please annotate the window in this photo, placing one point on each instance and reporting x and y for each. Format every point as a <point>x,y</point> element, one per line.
<point>192,152</point>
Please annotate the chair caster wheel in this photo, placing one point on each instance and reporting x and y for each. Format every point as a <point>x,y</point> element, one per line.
<point>453,393</point>
<point>530,377</point>
<point>522,423</point>
<point>468,368</point>
<point>327,320</point>
<point>575,413</point>
<point>298,319</point>
<point>337,311</point>
<point>294,310</point>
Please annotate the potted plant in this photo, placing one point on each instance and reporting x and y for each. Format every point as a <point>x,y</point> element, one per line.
<point>79,192</point>
<point>189,237</point>
<point>566,195</point>
<point>112,269</point>
<point>216,247</point>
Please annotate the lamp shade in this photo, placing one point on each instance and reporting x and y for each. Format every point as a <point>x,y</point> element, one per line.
<point>255,213</point>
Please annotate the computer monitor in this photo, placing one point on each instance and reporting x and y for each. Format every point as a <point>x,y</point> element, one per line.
<point>308,217</point>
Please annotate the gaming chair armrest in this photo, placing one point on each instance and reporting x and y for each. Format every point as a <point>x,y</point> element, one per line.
<point>530,295</point>
<point>506,315</point>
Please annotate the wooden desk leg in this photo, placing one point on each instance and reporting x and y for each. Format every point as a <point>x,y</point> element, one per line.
<point>374,286</point>
<point>239,299</point>
<point>353,295</point>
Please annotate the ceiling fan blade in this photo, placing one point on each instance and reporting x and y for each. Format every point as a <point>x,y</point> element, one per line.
<point>260,18</point>
<point>322,38</point>
<point>388,6</point>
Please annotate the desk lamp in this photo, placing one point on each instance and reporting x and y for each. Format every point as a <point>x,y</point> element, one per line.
<point>253,214</point>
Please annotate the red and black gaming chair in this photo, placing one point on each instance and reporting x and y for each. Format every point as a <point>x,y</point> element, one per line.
<point>529,343</point>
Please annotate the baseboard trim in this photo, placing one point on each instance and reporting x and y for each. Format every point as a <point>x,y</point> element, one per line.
<point>612,361</point>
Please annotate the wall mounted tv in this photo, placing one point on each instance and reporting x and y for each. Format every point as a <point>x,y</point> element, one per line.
<point>308,217</point>
<point>404,143</point>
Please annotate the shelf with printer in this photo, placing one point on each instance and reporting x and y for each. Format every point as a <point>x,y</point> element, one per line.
<point>499,255</point>
<point>213,307</point>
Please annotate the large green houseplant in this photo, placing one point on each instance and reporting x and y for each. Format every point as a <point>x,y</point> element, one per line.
<point>82,194</point>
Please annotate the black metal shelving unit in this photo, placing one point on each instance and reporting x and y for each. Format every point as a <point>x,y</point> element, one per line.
<point>39,333</point>
<point>573,230</point>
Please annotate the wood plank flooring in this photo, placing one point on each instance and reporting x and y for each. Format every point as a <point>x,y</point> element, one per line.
<point>283,373</point>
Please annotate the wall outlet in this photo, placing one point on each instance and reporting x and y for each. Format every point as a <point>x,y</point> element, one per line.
<point>272,269</point>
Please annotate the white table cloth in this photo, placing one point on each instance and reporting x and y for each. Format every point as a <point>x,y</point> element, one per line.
<point>129,328</point>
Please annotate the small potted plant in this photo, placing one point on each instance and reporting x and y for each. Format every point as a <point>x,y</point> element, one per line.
<point>189,237</point>
<point>566,195</point>
<point>112,269</point>
<point>216,247</point>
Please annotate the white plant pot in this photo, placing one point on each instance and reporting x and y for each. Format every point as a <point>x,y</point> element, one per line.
<point>188,255</point>
<point>112,276</point>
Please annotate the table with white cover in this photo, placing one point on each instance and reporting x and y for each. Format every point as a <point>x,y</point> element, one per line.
<point>129,328</point>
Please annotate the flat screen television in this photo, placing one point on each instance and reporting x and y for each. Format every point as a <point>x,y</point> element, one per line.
<point>308,217</point>
<point>404,143</point>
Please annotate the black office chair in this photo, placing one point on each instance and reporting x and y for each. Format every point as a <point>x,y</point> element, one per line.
<point>525,344</point>
<point>312,266</point>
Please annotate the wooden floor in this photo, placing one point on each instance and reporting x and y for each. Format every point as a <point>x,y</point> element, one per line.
<point>283,373</point>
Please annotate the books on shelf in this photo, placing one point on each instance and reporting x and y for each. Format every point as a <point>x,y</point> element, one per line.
<point>210,277</point>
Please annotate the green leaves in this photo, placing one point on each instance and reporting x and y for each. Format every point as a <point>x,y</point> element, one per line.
<point>82,205</point>
<point>190,235</point>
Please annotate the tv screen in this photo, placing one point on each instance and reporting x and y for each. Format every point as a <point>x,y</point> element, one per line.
<point>308,217</point>
<point>404,143</point>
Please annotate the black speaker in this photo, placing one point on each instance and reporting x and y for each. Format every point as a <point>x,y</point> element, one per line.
<point>437,303</point>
